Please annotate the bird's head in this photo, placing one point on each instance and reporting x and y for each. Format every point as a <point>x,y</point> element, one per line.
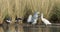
<point>38,13</point>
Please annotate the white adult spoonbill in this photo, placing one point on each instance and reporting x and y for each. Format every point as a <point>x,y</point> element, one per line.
<point>45,20</point>
<point>29,19</point>
<point>35,17</point>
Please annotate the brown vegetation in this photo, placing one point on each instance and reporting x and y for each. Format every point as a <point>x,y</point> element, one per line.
<point>17,8</point>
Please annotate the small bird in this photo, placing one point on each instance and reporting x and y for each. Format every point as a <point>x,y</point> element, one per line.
<point>8,20</point>
<point>6,23</point>
<point>18,19</point>
<point>45,20</point>
<point>16,23</point>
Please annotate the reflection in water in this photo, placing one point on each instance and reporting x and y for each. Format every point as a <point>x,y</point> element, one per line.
<point>9,28</point>
<point>16,27</point>
<point>25,28</point>
<point>12,28</point>
<point>1,29</point>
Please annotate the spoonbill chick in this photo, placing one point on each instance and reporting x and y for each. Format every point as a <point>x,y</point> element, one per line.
<point>45,21</point>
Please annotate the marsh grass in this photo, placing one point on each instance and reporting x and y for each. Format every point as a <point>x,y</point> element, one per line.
<point>56,12</point>
<point>22,8</point>
<point>17,8</point>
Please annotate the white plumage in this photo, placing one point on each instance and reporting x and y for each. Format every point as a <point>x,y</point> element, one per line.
<point>34,21</point>
<point>8,21</point>
<point>35,17</point>
<point>44,20</point>
<point>29,18</point>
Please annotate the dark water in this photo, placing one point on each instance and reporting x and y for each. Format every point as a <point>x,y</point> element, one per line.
<point>29,28</point>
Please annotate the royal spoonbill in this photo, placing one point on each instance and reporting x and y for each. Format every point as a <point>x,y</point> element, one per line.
<point>45,21</point>
<point>29,19</point>
<point>35,17</point>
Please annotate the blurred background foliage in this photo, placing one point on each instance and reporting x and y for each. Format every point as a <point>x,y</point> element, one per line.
<point>22,8</point>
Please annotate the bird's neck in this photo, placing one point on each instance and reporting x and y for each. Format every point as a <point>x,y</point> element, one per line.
<point>41,16</point>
